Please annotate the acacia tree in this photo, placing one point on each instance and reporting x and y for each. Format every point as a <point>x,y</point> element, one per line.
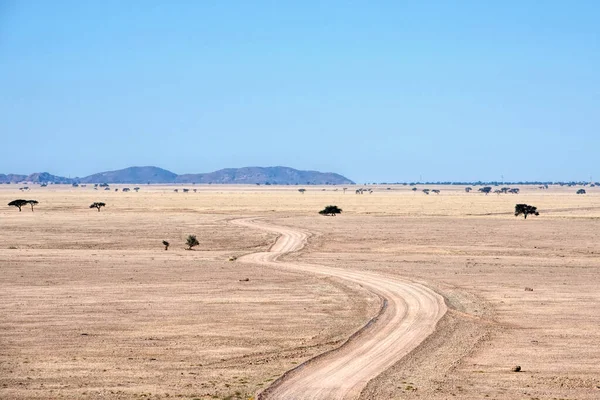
<point>97,205</point>
<point>331,211</point>
<point>468,189</point>
<point>302,190</point>
<point>485,189</point>
<point>581,191</point>
<point>33,203</point>
<point>192,241</point>
<point>19,203</point>
<point>525,210</point>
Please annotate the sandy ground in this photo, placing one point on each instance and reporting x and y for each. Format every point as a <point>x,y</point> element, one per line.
<point>92,306</point>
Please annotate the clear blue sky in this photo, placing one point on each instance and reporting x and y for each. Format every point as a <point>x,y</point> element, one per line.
<point>377,91</point>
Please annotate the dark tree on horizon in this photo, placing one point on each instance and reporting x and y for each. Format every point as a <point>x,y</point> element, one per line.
<point>19,203</point>
<point>525,210</point>
<point>485,189</point>
<point>98,205</point>
<point>331,211</point>
<point>33,203</point>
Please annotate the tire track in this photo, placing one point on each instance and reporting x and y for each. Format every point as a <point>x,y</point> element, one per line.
<point>409,314</point>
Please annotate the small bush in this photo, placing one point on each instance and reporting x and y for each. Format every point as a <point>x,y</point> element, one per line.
<point>192,241</point>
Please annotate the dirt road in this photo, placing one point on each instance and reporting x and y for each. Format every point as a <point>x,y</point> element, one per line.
<point>408,315</point>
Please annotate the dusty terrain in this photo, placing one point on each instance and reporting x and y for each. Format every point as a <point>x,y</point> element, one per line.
<point>92,306</point>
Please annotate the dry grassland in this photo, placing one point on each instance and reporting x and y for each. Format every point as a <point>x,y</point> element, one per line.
<point>92,306</point>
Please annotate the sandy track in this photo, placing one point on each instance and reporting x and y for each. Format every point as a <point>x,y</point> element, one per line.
<point>408,315</point>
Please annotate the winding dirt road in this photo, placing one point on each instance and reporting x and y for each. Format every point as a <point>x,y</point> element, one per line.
<point>409,313</point>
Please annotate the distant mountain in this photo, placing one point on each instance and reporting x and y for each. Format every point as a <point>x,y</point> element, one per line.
<point>41,177</point>
<point>263,175</point>
<point>12,178</point>
<point>132,175</point>
<point>38,177</point>
<point>247,175</point>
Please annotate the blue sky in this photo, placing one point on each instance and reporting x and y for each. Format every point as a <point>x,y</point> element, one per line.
<point>377,91</point>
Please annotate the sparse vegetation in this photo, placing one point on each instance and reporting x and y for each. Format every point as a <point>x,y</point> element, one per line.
<point>485,189</point>
<point>98,205</point>
<point>302,190</point>
<point>166,244</point>
<point>331,211</point>
<point>525,210</point>
<point>191,241</point>
<point>581,191</point>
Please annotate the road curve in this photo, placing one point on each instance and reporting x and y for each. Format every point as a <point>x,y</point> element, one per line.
<point>409,314</point>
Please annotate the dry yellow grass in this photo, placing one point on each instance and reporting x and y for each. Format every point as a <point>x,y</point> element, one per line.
<point>77,271</point>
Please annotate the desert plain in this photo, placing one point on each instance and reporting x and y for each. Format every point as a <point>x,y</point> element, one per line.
<point>92,306</point>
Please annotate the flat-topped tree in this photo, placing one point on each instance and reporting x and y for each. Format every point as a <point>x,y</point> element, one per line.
<point>581,191</point>
<point>468,189</point>
<point>485,189</point>
<point>18,203</point>
<point>98,205</point>
<point>33,203</point>
<point>525,210</point>
<point>331,211</point>
<point>302,190</point>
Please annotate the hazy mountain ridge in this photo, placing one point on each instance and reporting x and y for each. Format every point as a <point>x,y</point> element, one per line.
<point>272,175</point>
<point>37,177</point>
<point>139,175</point>
<point>132,175</point>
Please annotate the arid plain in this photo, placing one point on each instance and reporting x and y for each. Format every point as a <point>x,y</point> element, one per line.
<point>92,306</point>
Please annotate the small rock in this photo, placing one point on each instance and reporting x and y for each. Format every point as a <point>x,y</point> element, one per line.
<point>528,289</point>
<point>244,280</point>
